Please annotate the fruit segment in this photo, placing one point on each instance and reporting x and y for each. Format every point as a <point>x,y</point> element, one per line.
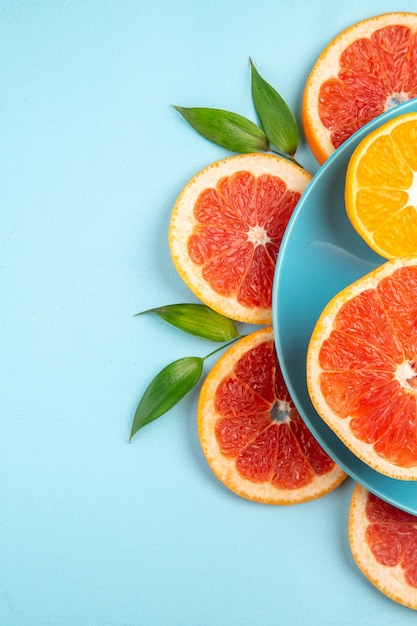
<point>238,231</point>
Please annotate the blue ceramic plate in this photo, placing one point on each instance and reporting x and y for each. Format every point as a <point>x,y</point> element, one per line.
<point>320,255</point>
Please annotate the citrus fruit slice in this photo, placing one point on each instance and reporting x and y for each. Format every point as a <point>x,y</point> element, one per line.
<point>383,541</point>
<point>381,188</point>
<point>362,367</point>
<point>251,434</point>
<point>226,228</point>
<point>365,70</point>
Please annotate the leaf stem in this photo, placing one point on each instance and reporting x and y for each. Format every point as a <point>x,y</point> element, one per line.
<point>226,345</point>
<point>289,157</point>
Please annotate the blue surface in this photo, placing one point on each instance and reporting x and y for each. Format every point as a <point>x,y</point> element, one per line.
<point>320,255</point>
<point>95,531</point>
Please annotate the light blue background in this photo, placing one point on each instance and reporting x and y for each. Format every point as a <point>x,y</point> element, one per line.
<point>95,531</point>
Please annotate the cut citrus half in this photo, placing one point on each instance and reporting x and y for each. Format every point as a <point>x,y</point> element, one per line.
<point>226,228</point>
<point>365,70</point>
<point>251,434</point>
<point>381,188</point>
<point>383,540</point>
<point>362,368</point>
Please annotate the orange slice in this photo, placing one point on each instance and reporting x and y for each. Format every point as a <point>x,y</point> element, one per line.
<point>251,434</point>
<point>383,540</point>
<point>365,70</point>
<point>226,228</point>
<point>381,188</point>
<point>362,368</point>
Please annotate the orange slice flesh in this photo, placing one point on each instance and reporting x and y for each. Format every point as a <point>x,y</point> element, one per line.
<point>362,368</point>
<point>365,70</point>
<point>381,188</point>
<point>383,541</point>
<point>226,228</point>
<point>251,434</point>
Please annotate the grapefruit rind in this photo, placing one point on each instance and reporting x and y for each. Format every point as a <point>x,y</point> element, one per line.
<point>182,223</point>
<point>223,467</point>
<point>327,66</point>
<point>388,580</point>
<point>323,327</point>
<point>352,187</point>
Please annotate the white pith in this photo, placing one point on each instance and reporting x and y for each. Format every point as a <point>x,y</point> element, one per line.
<point>282,411</point>
<point>258,235</point>
<point>412,192</point>
<point>406,376</point>
<point>396,98</point>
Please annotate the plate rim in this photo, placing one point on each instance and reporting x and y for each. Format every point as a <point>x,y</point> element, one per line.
<point>354,473</point>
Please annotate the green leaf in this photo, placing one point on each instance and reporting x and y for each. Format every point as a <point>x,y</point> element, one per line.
<point>274,115</point>
<point>197,319</point>
<point>166,390</point>
<point>226,129</point>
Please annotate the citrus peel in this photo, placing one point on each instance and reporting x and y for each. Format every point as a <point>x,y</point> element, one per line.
<point>381,188</point>
<point>383,541</point>
<point>251,434</point>
<point>361,367</point>
<point>365,70</point>
<point>226,228</point>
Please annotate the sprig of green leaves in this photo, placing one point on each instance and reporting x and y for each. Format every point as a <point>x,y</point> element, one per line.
<point>277,130</point>
<point>176,379</point>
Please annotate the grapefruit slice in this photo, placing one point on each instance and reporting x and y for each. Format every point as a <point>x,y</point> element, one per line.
<point>365,70</point>
<point>383,540</point>
<point>362,367</point>
<point>381,188</point>
<point>251,433</point>
<point>226,228</point>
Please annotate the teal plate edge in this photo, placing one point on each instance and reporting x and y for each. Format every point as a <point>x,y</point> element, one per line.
<point>320,254</point>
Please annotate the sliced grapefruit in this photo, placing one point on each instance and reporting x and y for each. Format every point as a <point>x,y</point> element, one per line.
<point>226,228</point>
<point>251,433</point>
<point>381,188</point>
<point>365,70</point>
<point>362,367</point>
<point>383,541</point>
